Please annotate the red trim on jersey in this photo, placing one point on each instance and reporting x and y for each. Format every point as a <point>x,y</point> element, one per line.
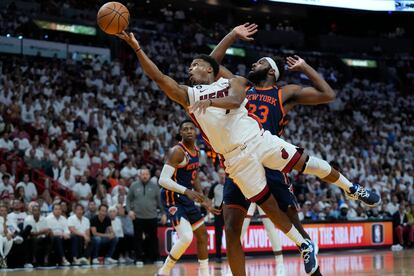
<point>288,168</point>
<point>188,150</point>
<point>235,206</point>
<point>264,88</point>
<point>279,94</point>
<point>260,195</point>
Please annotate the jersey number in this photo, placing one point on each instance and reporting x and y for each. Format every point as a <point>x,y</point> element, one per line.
<point>263,111</point>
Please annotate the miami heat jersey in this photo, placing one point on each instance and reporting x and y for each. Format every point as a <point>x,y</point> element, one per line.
<point>224,129</point>
<point>266,104</point>
<point>184,175</point>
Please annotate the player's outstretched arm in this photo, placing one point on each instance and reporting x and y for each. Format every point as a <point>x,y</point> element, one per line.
<point>175,158</point>
<point>243,32</point>
<point>320,93</point>
<point>237,94</point>
<point>174,91</point>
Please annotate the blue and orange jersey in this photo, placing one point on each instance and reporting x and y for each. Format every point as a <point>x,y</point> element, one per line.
<point>184,176</point>
<point>266,103</point>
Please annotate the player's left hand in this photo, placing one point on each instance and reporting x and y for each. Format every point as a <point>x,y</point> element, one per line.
<point>200,106</point>
<point>295,63</point>
<point>245,31</point>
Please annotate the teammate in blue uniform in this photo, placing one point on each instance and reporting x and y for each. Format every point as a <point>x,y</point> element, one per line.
<point>270,104</point>
<point>179,179</point>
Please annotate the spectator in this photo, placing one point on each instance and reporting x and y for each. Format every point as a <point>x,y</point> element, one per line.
<point>39,243</point>
<point>58,225</point>
<point>129,171</point>
<point>127,245</point>
<point>30,191</point>
<point>108,171</point>
<point>79,228</point>
<point>142,202</point>
<point>6,189</point>
<point>119,233</point>
<point>83,191</point>
<point>401,226</point>
<point>92,210</point>
<point>5,142</point>
<point>81,161</point>
<point>102,197</point>
<point>393,206</point>
<point>6,240</point>
<point>103,234</point>
<point>54,170</point>
<point>67,180</point>
<point>216,194</point>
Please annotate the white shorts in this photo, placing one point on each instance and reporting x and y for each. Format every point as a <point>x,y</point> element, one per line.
<point>245,165</point>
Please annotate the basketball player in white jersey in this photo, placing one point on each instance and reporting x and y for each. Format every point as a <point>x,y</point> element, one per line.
<point>218,108</point>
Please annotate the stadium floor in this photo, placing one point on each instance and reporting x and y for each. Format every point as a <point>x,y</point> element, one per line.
<point>361,262</point>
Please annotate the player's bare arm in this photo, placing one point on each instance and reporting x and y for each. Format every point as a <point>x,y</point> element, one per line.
<point>207,203</point>
<point>174,91</point>
<point>175,158</point>
<point>243,32</point>
<point>237,94</point>
<point>320,93</point>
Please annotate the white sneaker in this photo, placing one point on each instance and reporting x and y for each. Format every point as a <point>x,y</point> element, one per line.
<point>95,261</point>
<point>122,260</point>
<point>18,240</point>
<point>65,262</point>
<point>139,263</point>
<point>84,261</point>
<point>129,260</point>
<point>28,265</point>
<point>110,261</point>
<point>76,261</point>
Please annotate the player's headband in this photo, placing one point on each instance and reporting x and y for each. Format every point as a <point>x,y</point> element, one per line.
<point>273,66</point>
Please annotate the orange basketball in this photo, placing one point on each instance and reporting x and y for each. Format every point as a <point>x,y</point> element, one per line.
<point>113,18</point>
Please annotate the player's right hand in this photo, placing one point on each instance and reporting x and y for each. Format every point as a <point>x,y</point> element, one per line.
<point>194,196</point>
<point>130,39</point>
<point>245,31</point>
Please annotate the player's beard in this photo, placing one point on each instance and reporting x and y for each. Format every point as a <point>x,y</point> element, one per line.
<point>258,76</point>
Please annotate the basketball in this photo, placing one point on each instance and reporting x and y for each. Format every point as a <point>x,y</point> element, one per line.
<point>113,18</point>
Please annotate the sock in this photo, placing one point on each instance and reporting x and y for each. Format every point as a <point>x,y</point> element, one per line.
<point>295,236</point>
<point>203,267</point>
<point>167,266</point>
<point>279,259</point>
<point>343,183</point>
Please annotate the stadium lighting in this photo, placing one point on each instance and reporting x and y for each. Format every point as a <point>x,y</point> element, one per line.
<point>8,35</point>
<point>20,37</point>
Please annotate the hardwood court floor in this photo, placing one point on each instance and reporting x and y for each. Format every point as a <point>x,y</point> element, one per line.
<point>362,262</point>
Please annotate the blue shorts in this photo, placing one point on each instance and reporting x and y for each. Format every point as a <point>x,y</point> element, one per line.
<point>279,186</point>
<point>180,207</point>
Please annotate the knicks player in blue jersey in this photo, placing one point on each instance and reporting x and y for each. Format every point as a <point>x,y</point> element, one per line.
<point>178,179</point>
<point>270,104</point>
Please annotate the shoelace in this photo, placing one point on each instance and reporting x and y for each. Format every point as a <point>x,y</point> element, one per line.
<point>306,254</point>
<point>362,192</point>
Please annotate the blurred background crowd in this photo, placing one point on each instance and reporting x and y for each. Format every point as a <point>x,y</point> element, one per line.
<point>75,135</point>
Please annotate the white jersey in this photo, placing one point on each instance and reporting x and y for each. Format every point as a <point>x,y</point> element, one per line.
<point>224,129</point>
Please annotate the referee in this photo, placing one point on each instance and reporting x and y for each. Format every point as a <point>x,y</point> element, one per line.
<point>216,194</point>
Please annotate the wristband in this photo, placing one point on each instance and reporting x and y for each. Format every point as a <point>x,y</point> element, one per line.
<point>137,50</point>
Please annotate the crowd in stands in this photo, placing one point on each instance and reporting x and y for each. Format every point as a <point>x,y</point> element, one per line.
<point>91,129</point>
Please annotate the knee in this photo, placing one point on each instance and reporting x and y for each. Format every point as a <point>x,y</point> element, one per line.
<point>233,231</point>
<point>186,237</point>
